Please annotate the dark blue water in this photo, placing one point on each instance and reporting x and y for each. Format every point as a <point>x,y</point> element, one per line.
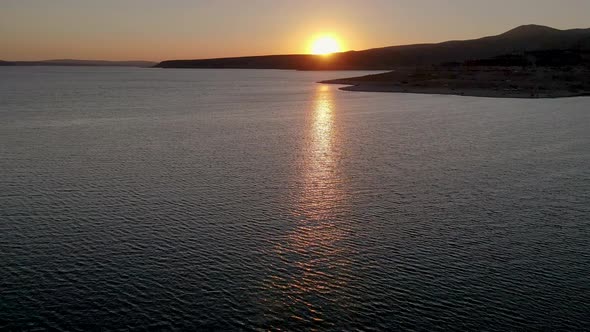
<point>135,199</point>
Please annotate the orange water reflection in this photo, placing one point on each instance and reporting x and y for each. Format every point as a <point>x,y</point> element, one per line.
<point>313,257</point>
<point>321,181</point>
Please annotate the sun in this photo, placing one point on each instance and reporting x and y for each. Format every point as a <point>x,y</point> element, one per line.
<point>325,45</point>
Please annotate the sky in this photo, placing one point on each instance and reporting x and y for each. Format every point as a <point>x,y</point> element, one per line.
<point>190,29</point>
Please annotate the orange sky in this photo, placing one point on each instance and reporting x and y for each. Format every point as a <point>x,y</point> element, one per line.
<point>175,29</point>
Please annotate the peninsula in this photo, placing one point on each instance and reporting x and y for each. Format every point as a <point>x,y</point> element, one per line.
<point>530,61</point>
<point>547,74</point>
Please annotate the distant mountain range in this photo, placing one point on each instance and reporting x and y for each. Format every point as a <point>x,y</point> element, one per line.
<point>71,62</point>
<point>526,38</point>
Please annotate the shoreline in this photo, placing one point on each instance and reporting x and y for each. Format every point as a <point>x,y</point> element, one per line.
<point>465,92</point>
<point>476,81</point>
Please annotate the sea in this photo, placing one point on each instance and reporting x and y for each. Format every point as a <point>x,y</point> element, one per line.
<point>259,200</point>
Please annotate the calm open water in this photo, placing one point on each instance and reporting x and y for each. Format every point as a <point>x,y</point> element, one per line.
<point>259,200</point>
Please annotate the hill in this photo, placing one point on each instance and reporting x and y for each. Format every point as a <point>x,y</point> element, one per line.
<point>522,39</point>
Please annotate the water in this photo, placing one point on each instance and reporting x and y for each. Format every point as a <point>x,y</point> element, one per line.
<point>259,200</point>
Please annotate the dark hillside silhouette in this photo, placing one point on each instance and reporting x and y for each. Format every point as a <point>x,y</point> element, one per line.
<point>522,39</point>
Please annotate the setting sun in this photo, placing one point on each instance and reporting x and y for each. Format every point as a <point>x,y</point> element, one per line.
<point>325,45</point>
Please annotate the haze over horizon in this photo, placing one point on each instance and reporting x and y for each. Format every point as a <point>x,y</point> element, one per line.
<point>183,29</point>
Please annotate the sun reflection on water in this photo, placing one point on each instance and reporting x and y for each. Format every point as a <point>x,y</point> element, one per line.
<point>313,257</point>
<point>320,173</point>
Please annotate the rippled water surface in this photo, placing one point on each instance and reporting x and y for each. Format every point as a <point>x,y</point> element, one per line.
<point>259,200</point>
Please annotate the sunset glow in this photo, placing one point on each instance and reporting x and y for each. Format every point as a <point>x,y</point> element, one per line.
<point>325,45</point>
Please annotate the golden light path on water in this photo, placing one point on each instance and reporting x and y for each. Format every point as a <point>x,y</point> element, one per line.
<point>320,169</point>
<point>313,251</point>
